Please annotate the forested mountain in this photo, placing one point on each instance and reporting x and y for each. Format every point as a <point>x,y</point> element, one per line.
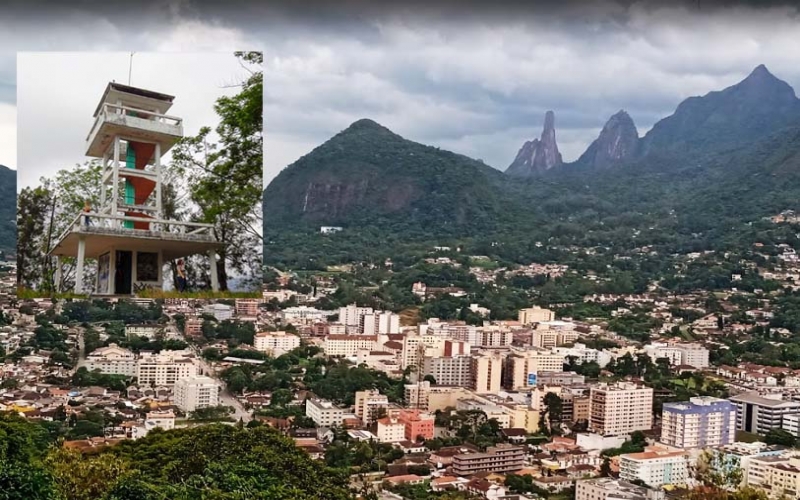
<point>8,210</point>
<point>697,180</point>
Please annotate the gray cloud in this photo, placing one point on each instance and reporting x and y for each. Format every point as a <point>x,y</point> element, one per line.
<point>474,77</point>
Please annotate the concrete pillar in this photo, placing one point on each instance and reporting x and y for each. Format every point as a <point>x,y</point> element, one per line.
<point>79,264</point>
<point>57,275</point>
<point>115,185</point>
<point>212,259</point>
<point>158,182</point>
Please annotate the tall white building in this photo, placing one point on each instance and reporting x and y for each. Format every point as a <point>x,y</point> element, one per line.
<point>324,413</point>
<point>275,343</point>
<point>368,405</point>
<point>655,468</point>
<point>348,345</point>
<point>303,314</point>
<point>523,366</point>
<point>221,312</point>
<point>196,392</point>
<point>535,315</point>
<point>352,315</point>
<point>698,423</point>
<point>165,368</point>
<point>620,409</point>
<point>759,414</point>
<point>112,360</point>
<point>380,323</point>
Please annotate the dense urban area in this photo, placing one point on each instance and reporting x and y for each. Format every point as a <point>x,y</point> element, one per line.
<point>447,376</point>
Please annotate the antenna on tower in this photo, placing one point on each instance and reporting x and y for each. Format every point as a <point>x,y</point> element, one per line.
<point>130,67</point>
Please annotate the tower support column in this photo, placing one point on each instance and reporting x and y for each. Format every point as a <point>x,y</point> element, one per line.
<point>212,260</point>
<point>57,274</point>
<point>79,264</point>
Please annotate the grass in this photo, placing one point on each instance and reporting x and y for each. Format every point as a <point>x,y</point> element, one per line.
<point>747,437</point>
<point>27,293</point>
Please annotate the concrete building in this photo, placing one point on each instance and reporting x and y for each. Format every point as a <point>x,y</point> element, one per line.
<point>535,315</point>
<point>165,368</point>
<point>486,373</point>
<point>427,397</point>
<point>112,360</point>
<point>324,413</point>
<point>449,371</point>
<point>778,475</point>
<point>348,345</point>
<point>523,367</point>
<point>501,458</point>
<point>303,314</point>
<point>369,404</point>
<point>679,354</point>
<point>353,315</point>
<point>149,330</point>
<point>221,312</point>
<point>417,424</point>
<point>275,343</point>
<point>620,409</point>
<point>559,378</point>
<point>760,414</point>
<point>694,355</point>
<point>655,468</point>
<point>380,323</point>
<point>247,307</point>
<point>390,430</point>
<point>551,334</point>
<point>193,327</point>
<point>606,488</point>
<point>698,423</point>
<point>196,392</point>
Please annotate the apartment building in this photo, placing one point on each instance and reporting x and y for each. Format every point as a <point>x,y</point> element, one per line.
<point>698,423</point>
<point>275,343</point>
<point>486,373</point>
<point>221,312</point>
<point>348,345</point>
<point>500,458</point>
<point>193,327</point>
<point>606,488</point>
<point>149,330</point>
<point>523,366</point>
<point>247,307</point>
<point>112,360</point>
<point>417,424</point>
<point>369,404</point>
<point>165,368</point>
<point>694,355</point>
<point>620,409</point>
<point>760,414</point>
<point>427,397</point>
<point>196,392</point>
<point>390,430</point>
<point>324,413</point>
<point>352,315</point>
<point>583,354</point>
<point>779,475</point>
<point>655,468</point>
<point>449,370</point>
<point>303,314</point>
<point>551,334</point>
<point>380,323</point>
<point>559,378</point>
<point>535,315</point>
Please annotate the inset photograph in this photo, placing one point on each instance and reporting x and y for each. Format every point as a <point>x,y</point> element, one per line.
<point>139,174</point>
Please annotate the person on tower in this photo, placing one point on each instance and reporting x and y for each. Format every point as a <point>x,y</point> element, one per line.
<point>181,278</point>
<point>87,208</point>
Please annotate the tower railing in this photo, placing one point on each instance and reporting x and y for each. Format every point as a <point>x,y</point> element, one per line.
<point>139,118</point>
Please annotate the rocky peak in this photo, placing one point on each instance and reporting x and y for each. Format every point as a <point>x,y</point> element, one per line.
<point>538,155</point>
<point>616,143</point>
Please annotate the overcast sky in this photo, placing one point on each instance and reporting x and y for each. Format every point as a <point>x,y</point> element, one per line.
<point>459,75</point>
<point>57,93</point>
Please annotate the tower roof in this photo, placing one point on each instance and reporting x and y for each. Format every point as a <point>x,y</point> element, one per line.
<point>162,102</point>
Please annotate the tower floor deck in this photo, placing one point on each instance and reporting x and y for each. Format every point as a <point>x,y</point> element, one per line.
<point>100,239</point>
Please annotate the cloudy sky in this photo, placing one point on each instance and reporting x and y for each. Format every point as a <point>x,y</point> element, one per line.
<point>57,93</point>
<point>458,75</point>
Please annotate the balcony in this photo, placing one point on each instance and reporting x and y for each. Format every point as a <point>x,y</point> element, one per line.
<point>133,124</point>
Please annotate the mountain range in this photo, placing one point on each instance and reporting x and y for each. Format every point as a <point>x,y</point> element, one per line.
<point>696,179</point>
<point>8,210</point>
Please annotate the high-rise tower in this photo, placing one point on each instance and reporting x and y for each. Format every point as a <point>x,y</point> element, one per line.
<point>127,233</point>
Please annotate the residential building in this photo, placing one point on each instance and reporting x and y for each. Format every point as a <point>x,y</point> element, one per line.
<point>275,343</point>
<point>620,409</point>
<point>380,323</point>
<point>221,312</point>
<point>303,314</point>
<point>535,315</point>
<point>655,468</point>
<point>551,334</point>
<point>523,366</point>
<point>500,458</point>
<point>352,315</point>
<point>778,475</point>
<point>193,327</point>
<point>694,355</point>
<point>417,424</point>
<point>698,423</point>
<point>559,378</point>
<point>247,307</point>
<point>449,370</point>
<point>165,368</point>
<point>486,372</point>
<point>759,414</point>
<point>606,488</point>
<point>149,330</point>
<point>324,413</point>
<point>112,360</point>
<point>348,345</point>
<point>427,397</point>
<point>196,392</point>
<point>390,430</point>
<point>369,405</point>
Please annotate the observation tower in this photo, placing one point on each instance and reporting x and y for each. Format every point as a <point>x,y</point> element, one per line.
<point>127,233</point>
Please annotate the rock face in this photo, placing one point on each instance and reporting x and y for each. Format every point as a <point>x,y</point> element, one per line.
<point>538,155</point>
<point>617,142</point>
